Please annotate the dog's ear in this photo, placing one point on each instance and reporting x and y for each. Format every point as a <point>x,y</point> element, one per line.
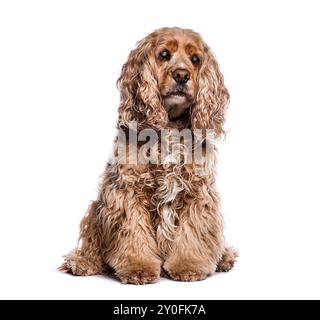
<point>212,97</point>
<point>140,96</point>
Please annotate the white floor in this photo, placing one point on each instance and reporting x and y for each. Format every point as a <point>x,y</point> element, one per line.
<point>254,277</point>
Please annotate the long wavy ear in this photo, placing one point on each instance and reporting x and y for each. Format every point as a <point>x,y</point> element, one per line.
<point>212,98</point>
<point>140,96</point>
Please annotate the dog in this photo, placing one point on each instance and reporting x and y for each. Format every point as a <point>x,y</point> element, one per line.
<point>154,216</point>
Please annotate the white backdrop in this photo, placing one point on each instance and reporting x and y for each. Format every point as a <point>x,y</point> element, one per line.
<point>59,61</point>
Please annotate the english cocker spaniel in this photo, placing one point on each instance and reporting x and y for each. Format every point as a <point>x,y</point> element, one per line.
<point>157,207</point>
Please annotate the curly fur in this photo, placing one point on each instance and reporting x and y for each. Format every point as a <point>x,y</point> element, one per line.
<point>150,217</point>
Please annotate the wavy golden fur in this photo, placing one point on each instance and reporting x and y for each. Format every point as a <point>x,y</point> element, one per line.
<point>162,216</point>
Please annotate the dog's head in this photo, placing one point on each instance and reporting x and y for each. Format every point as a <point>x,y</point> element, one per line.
<point>171,74</point>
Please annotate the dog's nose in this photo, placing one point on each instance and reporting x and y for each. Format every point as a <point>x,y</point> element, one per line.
<point>181,76</point>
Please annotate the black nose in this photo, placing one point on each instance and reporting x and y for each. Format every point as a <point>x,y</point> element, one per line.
<point>181,76</point>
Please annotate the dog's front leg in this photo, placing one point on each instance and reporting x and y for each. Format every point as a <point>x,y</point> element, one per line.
<point>199,244</point>
<point>132,249</point>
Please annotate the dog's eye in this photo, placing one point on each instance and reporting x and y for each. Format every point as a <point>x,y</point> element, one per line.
<point>165,55</point>
<point>195,59</point>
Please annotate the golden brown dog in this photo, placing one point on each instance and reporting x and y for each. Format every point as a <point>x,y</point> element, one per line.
<point>161,215</point>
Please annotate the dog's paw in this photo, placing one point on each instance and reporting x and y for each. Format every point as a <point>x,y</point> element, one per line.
<point>184,272</point>
<point>78,265</point>
<point>228,260</point>
<point>143,274</point>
